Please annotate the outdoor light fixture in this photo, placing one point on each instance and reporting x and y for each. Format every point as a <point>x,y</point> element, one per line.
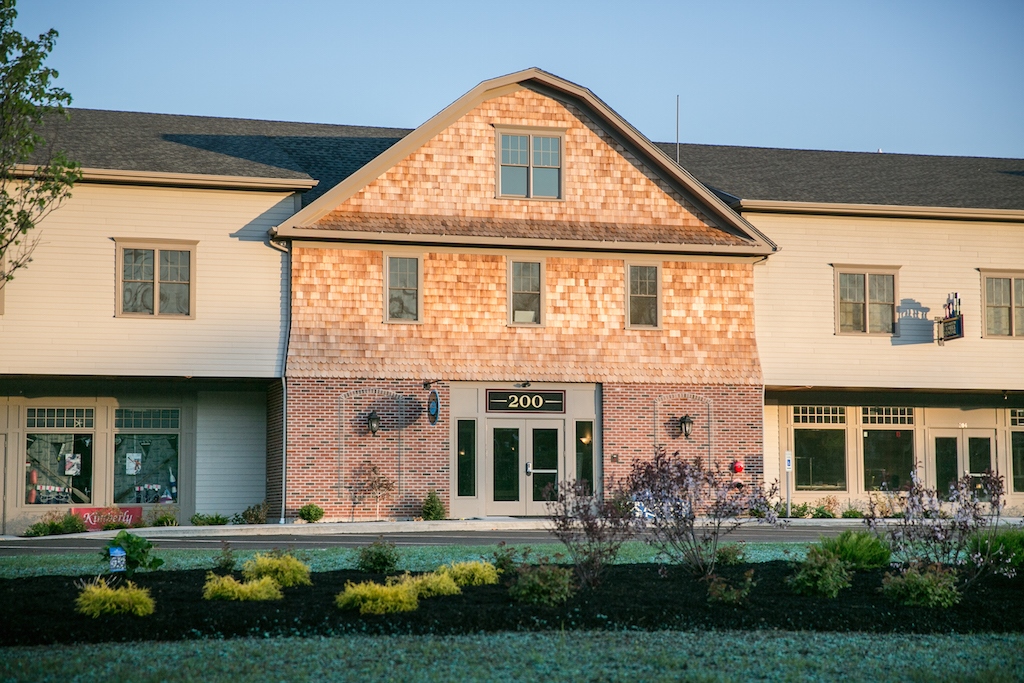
<point>522,385</point>
<point>373,422</point>
<point>686,426</point>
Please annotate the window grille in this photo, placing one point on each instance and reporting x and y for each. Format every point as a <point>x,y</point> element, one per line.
<point>147,418</point>
<point>59,418</point>
<point>1017,417</point>
<point>885,415</point>
<point>819,415</point>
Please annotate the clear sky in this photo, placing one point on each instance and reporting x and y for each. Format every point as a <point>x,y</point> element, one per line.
<point>914,76</point>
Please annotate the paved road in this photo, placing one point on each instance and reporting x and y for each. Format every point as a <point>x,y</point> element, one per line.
<point>274,538</point>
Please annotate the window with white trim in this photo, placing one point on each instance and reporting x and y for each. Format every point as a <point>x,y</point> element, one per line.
<point>155,278</point>
<point>866,299</point>
<point>59,456</point>
<point>530,165</point>
<point>146,455</point>
<point>643,292</point>
<point>526,295</point>
<point>1004,304</point>
<point>402,295</point>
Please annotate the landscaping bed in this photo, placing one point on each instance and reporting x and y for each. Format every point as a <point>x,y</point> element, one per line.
<point>40,610</point>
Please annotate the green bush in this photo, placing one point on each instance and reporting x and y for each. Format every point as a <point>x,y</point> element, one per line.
<point>859,549</point>
<point>136,552</point>
<point>720,590</point>
<point>55,522</point>
<point>311,513</point>
<point>230,588</point>
<point>1005,547</point>
<point>427,585</point>
<point>98,598</point>
<point>471,573</point>
<point>163,515</point>
<point>225,560</point>
<point>380,557</point>
<point>433,508</point>
<point>285,569</point>
<point>372,598</point>
<point>543,584</point>
<point>821,574</point>
<point>254,514</point>
<point>927,586</point>
<point>821,512</point>
<point>851,511</point>
<point>729,555</point>
<point>216,519</point>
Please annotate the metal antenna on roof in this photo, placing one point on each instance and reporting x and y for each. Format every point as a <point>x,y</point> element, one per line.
<point>677,129</point>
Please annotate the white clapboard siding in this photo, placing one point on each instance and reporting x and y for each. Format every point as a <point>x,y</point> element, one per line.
<point>59,312</point>
<point>795,303</point>
<point>231,451</point>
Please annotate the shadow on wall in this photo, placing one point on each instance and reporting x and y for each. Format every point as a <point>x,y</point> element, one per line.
<point>914,325</point>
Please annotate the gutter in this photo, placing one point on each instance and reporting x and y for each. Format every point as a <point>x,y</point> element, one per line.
<point>879,210</point>
<point>284,381</point>
<point>160,178</point>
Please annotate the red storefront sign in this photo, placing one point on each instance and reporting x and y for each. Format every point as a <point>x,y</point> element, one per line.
<point>95,518</point>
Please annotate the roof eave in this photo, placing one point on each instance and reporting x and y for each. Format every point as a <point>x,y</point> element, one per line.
<point>201,180</point>
<point>880,210</point>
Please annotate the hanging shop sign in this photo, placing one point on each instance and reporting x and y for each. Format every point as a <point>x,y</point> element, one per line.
<point>433,407</point>
<point>501,401</point>
<point>951,325</point>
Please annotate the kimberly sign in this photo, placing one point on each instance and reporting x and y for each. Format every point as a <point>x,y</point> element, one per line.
<point>95,518</point>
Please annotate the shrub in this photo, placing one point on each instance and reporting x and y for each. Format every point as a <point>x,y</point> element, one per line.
<point>1005,547</point>
<point>542,584</point>
<point>928,530</point>
<point>215,519</point>
<point>225,561</point>
<point>230,588</point>
<point>593,529</point>
<point>471,573</point>
<point>285,569</point>
<point>372,598</point>
<point>820,574</point>
<point>163,515</point>
<point>859,549</point>
<point>922,586</point>
<point>380,557</point>
<point>730,555</point>
<point>674,491</point>
<point>111,518</point>
<point>136,552</point>
<point>433,507</point>
<point>721,591</point>
<point>99,598</point>
<point>821,512</point>
<point>799,511</point>
<point>55,522</point>
<point>311,512</point>
<point>427,585</point>
<point>254,514</point>
<point>851,511</point>
<point>507,558</point>
<point>825,508</point>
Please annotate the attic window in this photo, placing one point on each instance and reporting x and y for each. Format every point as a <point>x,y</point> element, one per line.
<point>530,165</point>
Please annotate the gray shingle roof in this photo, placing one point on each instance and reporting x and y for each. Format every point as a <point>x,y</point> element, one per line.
<point>855,177</point>
<point>131,141</point>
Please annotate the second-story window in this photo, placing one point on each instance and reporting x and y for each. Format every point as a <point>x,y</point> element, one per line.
<point>156,279</point>
<point>530,165</point>
<point>866,300</point>
<point>526,293</point>
<point>1004,304</point>
<point>403,290</point>
<point>643,296</point>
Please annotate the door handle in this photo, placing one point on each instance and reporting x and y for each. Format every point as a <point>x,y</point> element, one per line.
<point>529,468</point>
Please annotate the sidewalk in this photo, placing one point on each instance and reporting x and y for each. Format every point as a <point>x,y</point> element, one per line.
<point>375,528</point>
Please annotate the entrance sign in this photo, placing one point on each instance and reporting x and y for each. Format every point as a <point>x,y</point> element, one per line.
<point>500,401</point>
<point>951,328</point>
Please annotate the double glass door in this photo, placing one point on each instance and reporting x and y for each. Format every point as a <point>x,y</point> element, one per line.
<point>524,464</point>
<point>957,452</point>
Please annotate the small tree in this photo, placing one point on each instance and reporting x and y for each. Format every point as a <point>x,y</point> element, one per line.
<point>377,484</point>
<point>34,178</point>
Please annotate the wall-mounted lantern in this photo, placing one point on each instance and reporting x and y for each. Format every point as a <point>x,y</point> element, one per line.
<point>686,426</point>
<point>373,422</point>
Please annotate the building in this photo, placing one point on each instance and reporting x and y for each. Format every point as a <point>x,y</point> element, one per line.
<point>874,249</point>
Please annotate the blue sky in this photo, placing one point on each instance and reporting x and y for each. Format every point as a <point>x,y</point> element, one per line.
<point>922,77</point>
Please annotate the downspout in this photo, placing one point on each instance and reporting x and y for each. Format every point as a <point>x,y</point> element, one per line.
<point>284,369</point>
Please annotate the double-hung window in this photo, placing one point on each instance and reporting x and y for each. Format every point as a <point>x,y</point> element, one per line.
<point>404,286</point>
<point>156,278</point>
<point>530,164</point>
<point>866,300</point>
<point>643,291</point>
<point>526,292</point>
<point>1004,304</point>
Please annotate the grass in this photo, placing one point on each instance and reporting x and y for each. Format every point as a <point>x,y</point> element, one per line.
<point>568,656</point>
<point>413,558</point>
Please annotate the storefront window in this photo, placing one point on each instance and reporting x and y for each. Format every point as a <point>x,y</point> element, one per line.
<point>888,459</point>
<point>146,468</point>
<point>585,454</point>
<point>1017,453</point>
<point>466,463</point>
<point>820,459</point>
<point>58,469</point>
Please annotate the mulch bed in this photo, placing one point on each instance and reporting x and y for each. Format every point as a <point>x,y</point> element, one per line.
<point>40,610</point>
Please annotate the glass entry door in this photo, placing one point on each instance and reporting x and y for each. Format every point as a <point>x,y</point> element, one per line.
<point>525,460</point>
<point>957,452</point>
